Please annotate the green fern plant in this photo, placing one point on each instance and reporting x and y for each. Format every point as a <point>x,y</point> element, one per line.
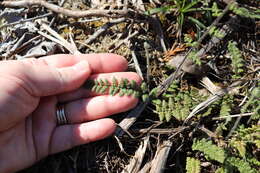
<point>253,161</point>
<point>192,165</point>
<point>210,150</point>
<point>189,41</point>
<point>237,60</point>
<point>226,106</point>
<point>241,165</point>
<point>241,11</point>
<point>215,10</point>
<point>225,169</point>
<point>177,103</point>
<point>214,31</point>
<point>121,87</point>
<point>194,57</point>
<point>243,137</point>
<point>228,161</point>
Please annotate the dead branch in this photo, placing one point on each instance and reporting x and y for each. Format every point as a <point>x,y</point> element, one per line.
<point>123,41</point>
<point>161,130</point>
<point>67,12</point>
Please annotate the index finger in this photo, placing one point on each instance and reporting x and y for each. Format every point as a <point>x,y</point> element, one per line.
<point>99,63</point>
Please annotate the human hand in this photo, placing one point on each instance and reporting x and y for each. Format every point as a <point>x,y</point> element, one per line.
<point>32,88</point>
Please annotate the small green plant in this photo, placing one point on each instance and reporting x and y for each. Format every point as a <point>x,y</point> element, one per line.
<point>182,6</point>
<point>121,87</point>
<point>194,57</point>
<point>243,137</point>
<point>215,10</point>
<point>228,161</point>
<point>241,165</point>
<point>214,31</point>
<point>192,165</point>
<point>241,11</point>
<point>237,60</point>
<point>178,107</point>
<point>226,105</point>
<point>189,41</point>
<point>210,150</point>
<point>176,103</point>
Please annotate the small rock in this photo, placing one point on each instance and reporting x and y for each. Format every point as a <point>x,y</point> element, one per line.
<point>188,66</point>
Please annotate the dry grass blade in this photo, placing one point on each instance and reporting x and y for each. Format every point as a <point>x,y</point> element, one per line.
<point>212,99</point>
<point>136,161</point>
<point>59,39</point>
<point>233,116</point>
<point>131,117</point>
<point>136,63</point>
<point>209,85</point>
<point>160,157</point>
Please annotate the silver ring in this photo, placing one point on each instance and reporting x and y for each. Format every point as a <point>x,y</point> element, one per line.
<point>61,116</point>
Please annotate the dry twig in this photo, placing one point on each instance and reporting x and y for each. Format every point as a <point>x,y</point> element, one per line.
<point>102,29</point>
<point>67,12</point>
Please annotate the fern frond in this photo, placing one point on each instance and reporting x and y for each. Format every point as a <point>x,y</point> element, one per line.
<point>237,59</point>
<point>210,150</point>
<point>225,109</point>
<point>215,10</point>
<point>253,161</point>
<point>248,135</point>
<point>241,165</point>
<point>177,103</point>
<point>114,81</point>
<point>214,31</point>
<point>192,165</point>
<point>224,169</point>
<point>243,11</point>
<point>240,146</point>
<point>194,57</point>
<point>121,87</point>
<point>226,105</point>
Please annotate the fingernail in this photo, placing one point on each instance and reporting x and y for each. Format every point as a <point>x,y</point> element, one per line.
<point>82,66</point>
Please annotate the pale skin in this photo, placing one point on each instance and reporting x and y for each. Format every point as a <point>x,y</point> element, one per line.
<point>32,88</point>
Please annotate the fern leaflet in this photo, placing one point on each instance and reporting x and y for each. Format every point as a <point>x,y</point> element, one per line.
<point>237,59</point>
<point>121,87</point>
<point>210,150</point>
<point>241,165</point>
<point>192,165</point>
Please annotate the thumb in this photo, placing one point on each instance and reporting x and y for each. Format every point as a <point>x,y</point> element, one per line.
<point>40,79</point>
